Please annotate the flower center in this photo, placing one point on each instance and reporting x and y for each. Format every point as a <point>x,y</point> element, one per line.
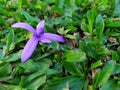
<point>39,36</point>
<point>40,32</point>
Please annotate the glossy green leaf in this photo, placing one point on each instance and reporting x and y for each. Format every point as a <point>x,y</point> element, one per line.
<point>75,56</point>
<point>91,51</point>
<point>33,81</point>
<point>110,85</point>
<point>117,7</point>
<point>71,68</point>
<point>99,27</point>
<point>116,69</point>
<point>61,83</point>
<point>78,85</point>
<point>32,66</point>
<point>91,14</point>
<point>103,75</point>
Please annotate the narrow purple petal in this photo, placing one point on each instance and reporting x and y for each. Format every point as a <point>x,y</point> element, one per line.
<point>40,28</point>
<point>25,26</point>
<point>44,40</point>
<point>29,49</point>
<point>54,37</point>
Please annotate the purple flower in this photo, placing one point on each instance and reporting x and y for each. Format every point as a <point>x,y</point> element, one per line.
<point>38,35</point>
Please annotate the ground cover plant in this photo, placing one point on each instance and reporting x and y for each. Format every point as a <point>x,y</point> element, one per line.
<point>78,46</point>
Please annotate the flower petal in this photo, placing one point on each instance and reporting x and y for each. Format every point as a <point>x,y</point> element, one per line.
<point>40,28</point>
<point>54,37</point>
<point>25,26</point>
<point>44,40</point>
<point>29,49</point>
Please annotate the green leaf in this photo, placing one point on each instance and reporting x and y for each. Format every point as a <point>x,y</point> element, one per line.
<point>71,68</point>
<point>113,24</point>
<point>10,40</point>
<point>91,51</point>
<point>78,84</point>
<point>70,36</point>
<point>57,10</point>
<point>115,56</point>
<point>116,69</point>
<point>91,14</point>
<point>15,87</point>
<point>110,85</point>
<point>33,81</point>
<point>12,57</point>
<point>117,8</point>
<point>99,27</point>
<point>55,45</point>
<point>32,66</point>
<point>45,55</point>
<point>75,56</point>
<point>56,83</point>
<point>103,50</point>
<point>2,20</point>
<point>78,2</point>
<point>74,83</point>
<point>103,75</point>
<point>84,26</point>
<point>96,64</point>
<point>51,71</point>
<point>29,17</point>
<point>5,70</point>
<point>6,79</point>
<point>2,87</point>
<point>20,5</point>
<point>50,1</point>
<point>1,54</point>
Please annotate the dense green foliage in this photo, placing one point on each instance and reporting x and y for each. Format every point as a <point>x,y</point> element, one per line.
<point>88,60</point>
